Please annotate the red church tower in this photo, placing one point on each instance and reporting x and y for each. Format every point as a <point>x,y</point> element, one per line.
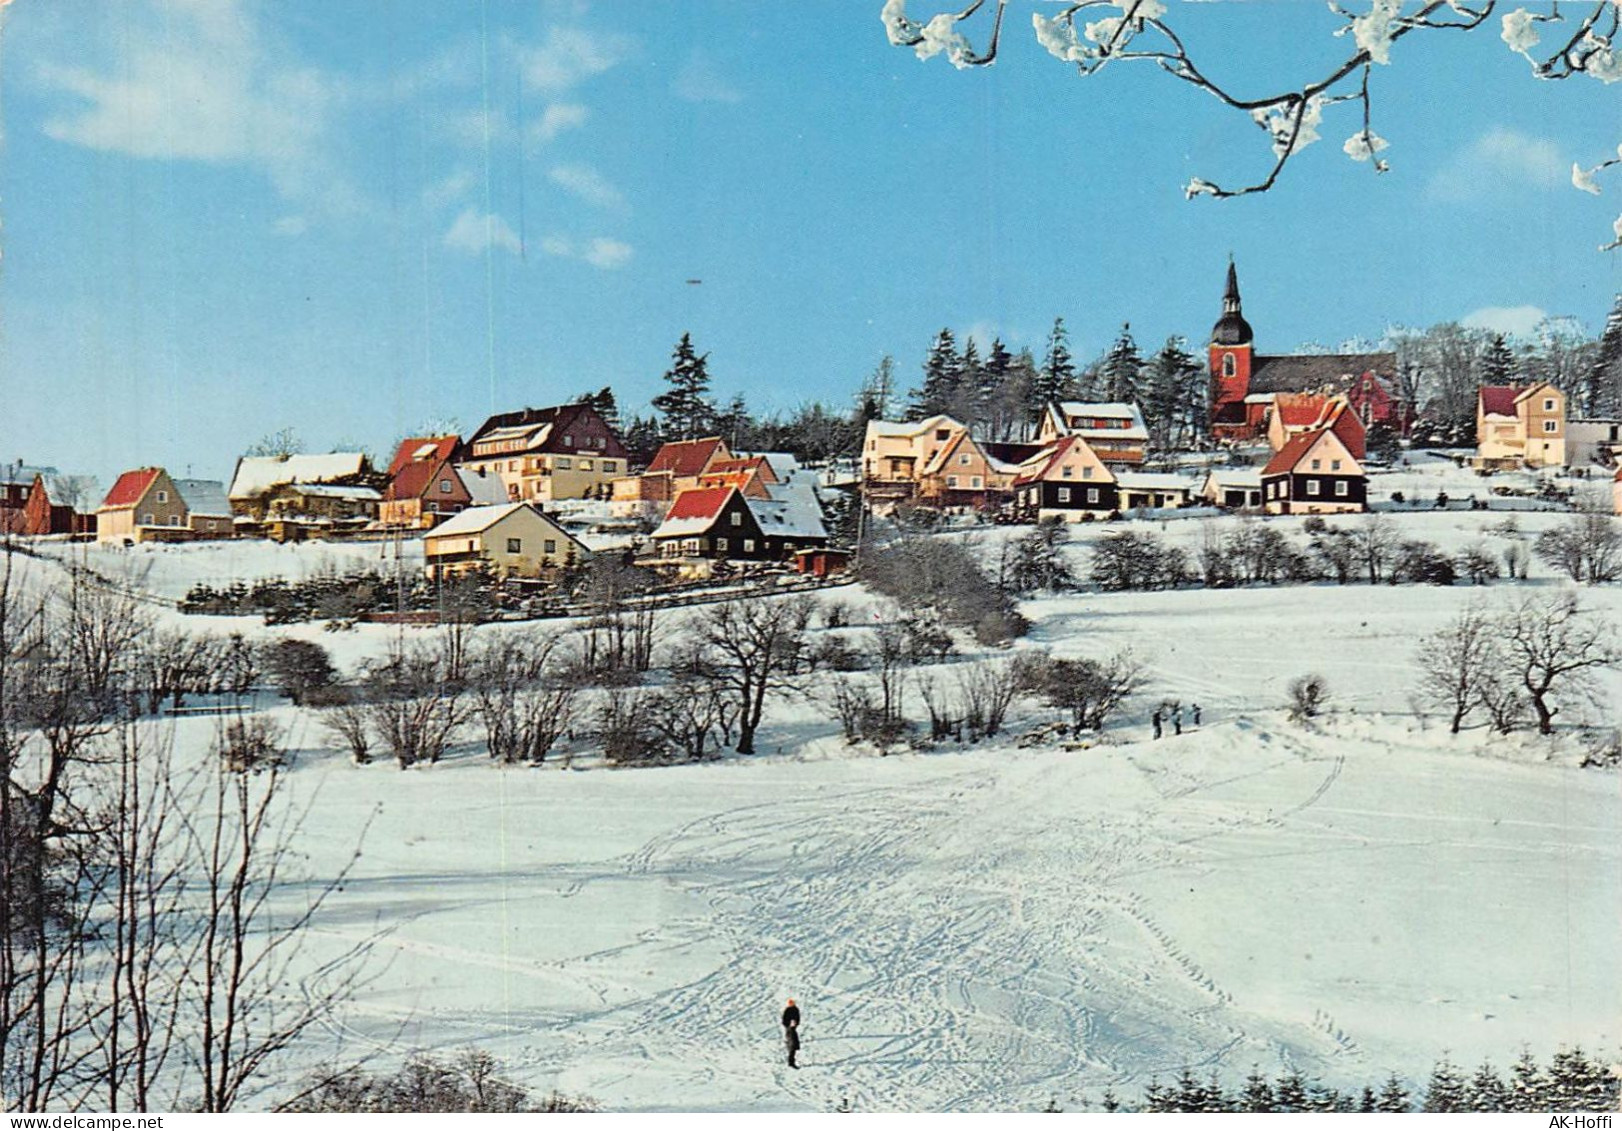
<point>1230,354</point>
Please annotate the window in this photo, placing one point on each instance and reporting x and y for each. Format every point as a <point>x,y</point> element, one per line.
<point>1312,486</point>
<point>1334,465</point>
<point>942,433</point>
<point>610,466</point>
<point>720,543</point>
<point>568,441</point>
<point>585,465</point>
<point>1317,464</point>
<point>515,545</point>
<point>1229,366</point>
<point>748,545</point>
<point>1548,404</point>
<point>163,496</point>
<point>146,520</point>
<point>1092,494</point>
<point>951,481</point>
<point>1064,494</point>
<point>550,546</point>
<point>1068,472</point>
<point>737,518</point>
<point>512,465</point>
<point>1343,488</point>
<point>564,463</point>
<point>1086,473</point>
<point>444,486</point>
<point>963,459</point>
<point>174,520</point>
<point>1551,425</point>
<point>974,482</point>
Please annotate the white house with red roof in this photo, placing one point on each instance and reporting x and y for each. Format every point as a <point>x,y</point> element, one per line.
<point>1314,473</point>
<point>1066,480</point>
<point>144,505</point>
<point>1520,426</point>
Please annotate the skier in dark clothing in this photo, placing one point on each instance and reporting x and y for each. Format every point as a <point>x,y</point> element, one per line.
<point>1155,719</point>
<point>1177,720</point>
<point>1196,714</point>
<point>791,1031</point>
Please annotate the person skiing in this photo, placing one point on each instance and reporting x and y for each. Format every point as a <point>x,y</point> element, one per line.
<point>1155,719</point>
<point>791,1031</point>
<point>1196,714</point>
<point>1177,720</point>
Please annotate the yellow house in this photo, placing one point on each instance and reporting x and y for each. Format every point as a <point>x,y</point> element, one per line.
<point>143,506</point>
<point>512,539</point>
<point>962,474</point>
<point>894,455</point>
<point>1520,426</point>
<point>563,452</point>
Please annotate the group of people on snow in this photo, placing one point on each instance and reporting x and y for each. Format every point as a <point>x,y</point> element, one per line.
<point>1172,712</point>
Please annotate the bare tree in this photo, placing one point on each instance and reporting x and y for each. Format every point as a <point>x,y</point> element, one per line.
<point>1308,694</point>
<point>1457,661</point>
<point>1092,690</point>
<point>758,647</point>
<point>414,707</point>
<point>988,689</point>
<point>695,712</point>
<point>1376,544</point>
<point>350,722</point>
<point>1586,547</point>
<point>522,702</point>
<point>1554,647</point>
<point>620,634</point>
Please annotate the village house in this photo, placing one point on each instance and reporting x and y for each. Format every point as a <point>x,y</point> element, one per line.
<point>1114,430</point>
<point>1520,426</point>
<point>40,516</point>
<point>314,489</point>
<point>423,486</point>
<point>1314,474</point>
<point>509,540</point>
<point>716,523</point>
<point>753,475</point>
<point>143,505</point>
<point>894,454</point>
<point>965,474</point>
<point>17,483</point>
<point>1066,480</point>
<point>1294,413</point>
<point>546,454</point>
<point>1152,490</point>
<point>1233,488</point>
<point>676,467</point>
<point>1244,383</point>
<point>208,511</point>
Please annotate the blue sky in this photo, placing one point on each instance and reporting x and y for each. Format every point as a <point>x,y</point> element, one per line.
<point>224,218</point>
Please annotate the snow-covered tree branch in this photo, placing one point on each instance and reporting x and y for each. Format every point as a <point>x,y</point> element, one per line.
<point>1095,33</point>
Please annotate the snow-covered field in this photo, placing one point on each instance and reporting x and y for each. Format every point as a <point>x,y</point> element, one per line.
<point>992,927</point>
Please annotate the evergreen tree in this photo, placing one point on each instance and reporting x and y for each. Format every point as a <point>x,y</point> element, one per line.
<point>1366,1102</point>
<point>995,412</point>
<point>1497,363</point>
<point>1111,1102</point>
<point>605,404</point>
<point>734,425</point>
<point>1187,1093</point>
<point>684,408</point>
<point>965,401</point>
<point>1527,1084</point>
<point>643,439</point>
<point>1156,1097</point>
<point>1055,380</point>
<point>874,400</point>
<point>1446,1090</point>
<point>1257,1094</point>
<point>1602,392</point>
<point>1173,395</point>
<point>1574,1083</point>
<point>1393,1096</point>
<point>1121,372</point>
<point>1487,1090</point>
<point>1290,1093</point>
<point>942,372</point>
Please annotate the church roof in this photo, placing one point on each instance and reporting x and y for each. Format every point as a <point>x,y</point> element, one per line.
<point>1311,373</point>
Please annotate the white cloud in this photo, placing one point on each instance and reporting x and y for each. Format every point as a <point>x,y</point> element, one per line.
<point>570,55</point>
<point>1511,321</point>
<point>202,82</point>
<point>291,226</point>
<point>476,231</point>
<point>1497,157</point>
<point>589,185</point>
<point>700,81</point>
<point>607,254</point>
<point>602,252</point>
<point>450,189</point>
<point>558,117</point>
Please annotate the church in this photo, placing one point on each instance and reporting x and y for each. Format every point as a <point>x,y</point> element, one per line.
<point>1245,384</point>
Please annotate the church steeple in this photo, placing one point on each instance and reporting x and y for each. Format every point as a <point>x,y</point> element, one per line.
<point>1231,329</point>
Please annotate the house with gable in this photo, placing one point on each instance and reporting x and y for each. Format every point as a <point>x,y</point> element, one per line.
<point>208,511</point>
<point>1114,430</point>
<point>1232,488</point>
<point>1314,474</point>
<point>965,474</point>
<point>544,454</point>
<point>1294,413</point>
<point>1520,426</point>
<point>716,523</point>
<point>329,487</point>
<point>423,485</point>
<point>143,505</point>
<point>676,467</point>
<point>894,455</point>
<point>508,539</point>
<point>1244,383</point>
<point>1065,480</point>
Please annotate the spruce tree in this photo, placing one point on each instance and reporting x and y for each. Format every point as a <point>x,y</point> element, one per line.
<point>1446,1090</point>
<point>874,400</point>
<point>1603,382</point>
<point>1257,1094</point>
<point>942,370</point>
<point>1366,1102</point>
<point>1528,1087</point>
<point>1497,363</point>
<point>1156,1097</point>
<point>1290,1093</point>
<point>1055,380</point>
<point>605,404</point>
<point>1487,1090</point>
<point>1173,394</point>
<point>966,402</point>
<point>1122,370</point>
<point>1111,1102</point>
<point>684,407</point>
<point>1393,1096</point>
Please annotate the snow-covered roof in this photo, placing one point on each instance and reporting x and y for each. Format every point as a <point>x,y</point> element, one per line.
<point>204,497</point>
<point>1235,477</point>
<point>909,428</point>
<point>793,510</point>
<point>694,511</point>
<point>1152,481</point>
<point>257,474</point>
<point>1105,410</point>
<point>22,474</point>
<point>532,435</point>
<point>332,491</point>
<point>485,487</point>
<point>476,520</point>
